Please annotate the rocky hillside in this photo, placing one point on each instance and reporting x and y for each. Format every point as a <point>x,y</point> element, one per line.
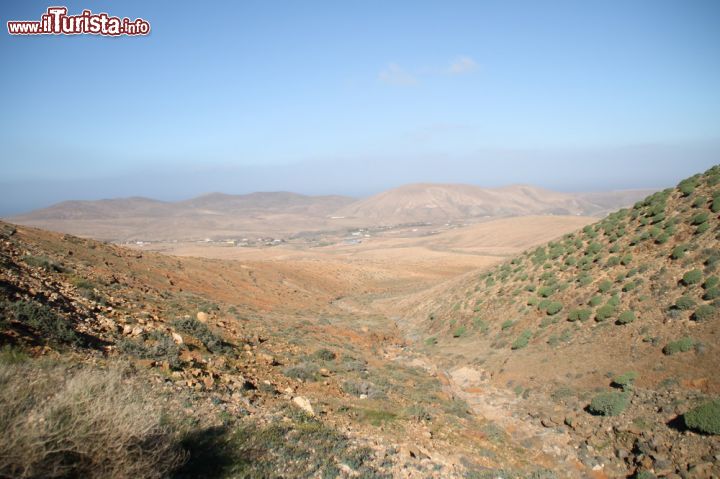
<point>115,363</point>
<point>611,334</point>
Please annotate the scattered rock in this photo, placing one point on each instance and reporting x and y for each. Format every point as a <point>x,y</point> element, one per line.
<point>202,317</point>
<point>177,338</point>
<point>304,404</point>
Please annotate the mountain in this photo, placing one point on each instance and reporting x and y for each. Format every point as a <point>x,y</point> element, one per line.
<point>220,216</point>
<point>440,203</point>
<point>214,215</point>
<point>609,333</point>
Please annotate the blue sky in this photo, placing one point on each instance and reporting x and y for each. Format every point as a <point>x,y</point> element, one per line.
<point>358,96</point>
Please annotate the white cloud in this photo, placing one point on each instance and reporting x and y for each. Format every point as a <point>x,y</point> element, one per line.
<point>462,65</point>
<point>394,74</point>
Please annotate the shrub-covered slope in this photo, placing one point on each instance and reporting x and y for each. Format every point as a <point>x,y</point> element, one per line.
<point>631,303</point>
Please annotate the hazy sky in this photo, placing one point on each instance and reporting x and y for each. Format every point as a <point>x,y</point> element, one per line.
<point>356,96</point>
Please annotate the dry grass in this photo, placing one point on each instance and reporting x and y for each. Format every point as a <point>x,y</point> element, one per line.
<point>59,421</point>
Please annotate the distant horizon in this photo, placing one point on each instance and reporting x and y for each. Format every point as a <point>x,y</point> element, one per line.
<point>355,98</point>
<point>310,195</point>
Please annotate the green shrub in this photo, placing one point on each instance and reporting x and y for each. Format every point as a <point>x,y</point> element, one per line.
<point>522,340</point>
<point>715,207</point>
<point>325,354</point>
<point>159,347</point>
<point>692,277</point>
<point>711,282</point>
<point>680,346</point>
<point>201,331</point>
<point>604,312</point>
<point>605,286</point>
<point>711,293</point>
<point>609,403</point>
<point>629,286</point>
<point>554,307</point>
<point>626,317</point>
<point>304,371</point>
<point>546,291</point>
<point>704,312</point>
<point>431,341</point>
<point>679,251</point>
<point>613,261</point>
<point>45,263</point>
<point>705,418</point>
<point>702,228</point>
<point>49,325</point>
<point>593,249</point>
<point>684,303</point>
<point>626,259</point>
<point>700,218</point>
<point>507,324</point>
<point>625,380</point>
<point>458,332</point>
<point>579,315</point>
<point>595,300</point>
<point>687,186</point>
<point>698,202</point>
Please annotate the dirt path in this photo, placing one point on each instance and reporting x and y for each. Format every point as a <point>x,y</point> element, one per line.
<point>546,447</point>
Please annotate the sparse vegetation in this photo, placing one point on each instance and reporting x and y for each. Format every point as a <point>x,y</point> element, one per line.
<point>80,422</point>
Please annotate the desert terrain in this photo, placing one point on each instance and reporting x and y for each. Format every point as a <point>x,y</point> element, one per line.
<point>523,346</point>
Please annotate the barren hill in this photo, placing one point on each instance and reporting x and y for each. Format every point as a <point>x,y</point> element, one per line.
<point>215,215</point>
<point>282,214</point>
<point>439,203</point>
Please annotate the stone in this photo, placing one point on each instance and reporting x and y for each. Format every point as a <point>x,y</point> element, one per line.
<point>177,338</point>
<point>202,317</point>
<point>304,404</point>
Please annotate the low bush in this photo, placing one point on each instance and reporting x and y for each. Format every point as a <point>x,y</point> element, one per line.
<point>609,403</point>
<point>604,312</point>
<point>507,324</point>
<point>679,251</point>
<point>325,354</point>
<point>605,286</point>
<point>711,282</point>
<point>626,317</point>
<point>49,325</point>
<point>579,315</point>
<point>625,380</point>
<point>553,308</point>
<point>45,263</point>
<point>680,346</point>
<point>705,418</point>
<point>711,293</point>
<point>700,218</point>
<point>202,332</point>
<point>522,340</point>
<point>691,277</point>
<point>595,301</point>
<point>684,303</point>
<point>704,312</point>
<point>305,371</point>
<point>458,332</point>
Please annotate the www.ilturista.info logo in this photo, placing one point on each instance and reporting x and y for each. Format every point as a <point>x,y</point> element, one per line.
<point>57,22</point>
